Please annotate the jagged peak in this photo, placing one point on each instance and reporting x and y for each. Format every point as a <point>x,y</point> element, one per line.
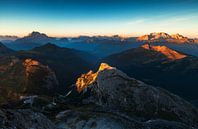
<point>104,66</point>
<point>177,36</point>
<point>163,37</point>
<point>37,34</point>
<point>169,53</point>
<point>88,78</point>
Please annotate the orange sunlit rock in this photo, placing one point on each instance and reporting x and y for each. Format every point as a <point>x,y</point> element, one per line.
<point>164,37</point>
<point>29,64</point>
<point>88,78</point>
<point>169,53</point>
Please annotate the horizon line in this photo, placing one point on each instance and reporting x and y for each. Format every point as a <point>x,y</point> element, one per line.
<point>92,35</point>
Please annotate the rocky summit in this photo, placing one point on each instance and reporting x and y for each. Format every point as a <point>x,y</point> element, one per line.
<point>164,37</point>
<point>116,93</point>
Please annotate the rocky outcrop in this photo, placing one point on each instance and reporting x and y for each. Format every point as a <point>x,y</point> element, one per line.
<point>99,120</point>
<point>164,37</point>
<point>41,75</point>
<point>169,53</point>
<point>88,78</point>
<point>24,119</point>
<point>114,91</point>
<point>27,77</point>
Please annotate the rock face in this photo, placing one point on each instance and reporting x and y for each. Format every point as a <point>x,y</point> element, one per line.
<point>24,119</point>
<point>114,91</point>
<point>169,53</point>
<point>38,74</point>
<point>26,76</point>
<point>164,37</point>
<point>89,78</point>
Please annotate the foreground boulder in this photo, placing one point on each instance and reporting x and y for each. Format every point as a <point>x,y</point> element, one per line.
<point>24,119</point>
<point>113,91</point>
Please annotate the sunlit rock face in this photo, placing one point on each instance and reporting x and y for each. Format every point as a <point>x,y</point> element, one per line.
<point>164,37</point>
<point>113,90</point>
<point>26,76</point>
<point>86,79</point>
<point>38,74</point>
<point>169,53</point>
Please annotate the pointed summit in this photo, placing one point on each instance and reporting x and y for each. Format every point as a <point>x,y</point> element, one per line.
<point>37,34</point>
<point>104,66</point>
<point>88,78</point>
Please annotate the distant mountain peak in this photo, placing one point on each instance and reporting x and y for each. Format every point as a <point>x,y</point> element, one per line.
<point>37,34</point>
<point>169,53</point>
<point>164,37</point>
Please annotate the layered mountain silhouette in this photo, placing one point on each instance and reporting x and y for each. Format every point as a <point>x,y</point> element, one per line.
<point>7,38</point>
<point>45,70</point>
<point>4,50</point>
<point>164,37</point>
<point>102,46</point>
<point>35,37</point>
<point>160,65</point>
<point>32,40</point>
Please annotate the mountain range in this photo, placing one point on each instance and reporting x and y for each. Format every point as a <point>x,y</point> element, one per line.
<point>43,70</point>
<point>52,84</point>
<point>160,65</point>
<point>102,46</point>
<point>164,37</point>
<point>7,38</point>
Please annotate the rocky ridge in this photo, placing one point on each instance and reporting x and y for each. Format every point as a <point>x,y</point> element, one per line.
<point>169,53</point>
<point>114,91</point>
<point>164,37</point>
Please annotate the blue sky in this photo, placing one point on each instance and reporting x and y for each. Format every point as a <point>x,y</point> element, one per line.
<point>98,17</point>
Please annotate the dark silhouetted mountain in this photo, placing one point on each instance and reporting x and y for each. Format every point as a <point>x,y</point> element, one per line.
<point>67,64</point>
<point>35,37</point>
<point>4,50</point>
<point>44,70</point>
<point>155,67</point>
<point>33,40</point>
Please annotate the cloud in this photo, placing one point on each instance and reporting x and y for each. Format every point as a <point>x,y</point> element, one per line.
<point>137,21</point>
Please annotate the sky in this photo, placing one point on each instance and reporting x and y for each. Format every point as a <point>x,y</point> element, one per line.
<point>98,17</point>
